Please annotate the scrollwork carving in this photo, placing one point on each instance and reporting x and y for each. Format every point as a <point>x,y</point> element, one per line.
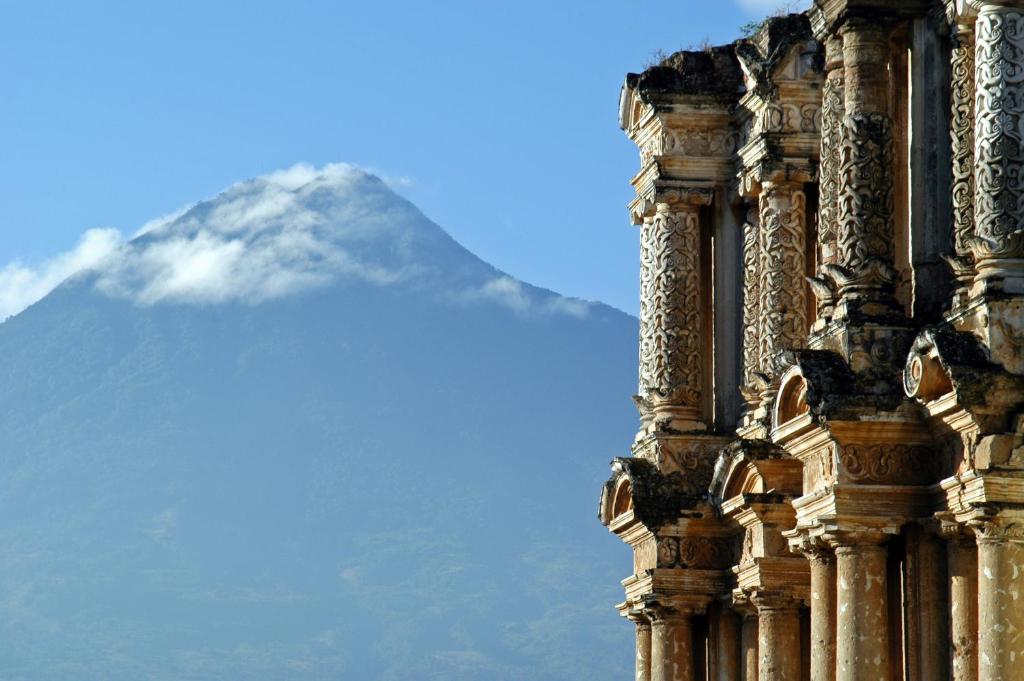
<point>892,464</point>
<point>999,133</point>
<point>671,325</point>
<point>781,268</point>
<point>751,301</point>
<point>962,137</point>
<point>865,236</point>
<point>700,553</point>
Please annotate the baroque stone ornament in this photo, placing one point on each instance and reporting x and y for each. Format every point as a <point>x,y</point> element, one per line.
<point>751,302</point>
<point>865,236</point>
<point>962,138</point>
<point>783,306</point>
<point>999,132</point>
<point>891,464</point>
<point>872,431</point>
<point>670,311</point>
<point>699,553</point>
<point>832,112</point>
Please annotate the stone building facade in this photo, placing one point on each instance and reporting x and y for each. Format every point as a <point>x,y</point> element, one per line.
<point>828,479</point>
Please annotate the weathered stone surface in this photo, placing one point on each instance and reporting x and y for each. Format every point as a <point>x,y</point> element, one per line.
<point>862,518</point>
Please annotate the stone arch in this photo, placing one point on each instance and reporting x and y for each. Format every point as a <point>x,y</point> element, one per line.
<point>791,401</point>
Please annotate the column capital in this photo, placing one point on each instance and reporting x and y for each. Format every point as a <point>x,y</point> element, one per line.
<point>854,541</point>
<point>767,601</point>
<point>999,527</point>
<point>660,608</point>
<point>669,198</point>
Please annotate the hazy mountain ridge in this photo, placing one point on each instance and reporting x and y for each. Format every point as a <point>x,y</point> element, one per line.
<point>357,477</point>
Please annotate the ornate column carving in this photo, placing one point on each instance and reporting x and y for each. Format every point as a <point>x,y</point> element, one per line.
<point>1000,586</point>
<point>751,309</point>
<point>671,644</point>
<point>671,317</point>
<point>962,148</point>
<point>998,136</point>
<point>865,242</point>
<point>783,304</point>
<point>833,109</point>
<point>862,652</point>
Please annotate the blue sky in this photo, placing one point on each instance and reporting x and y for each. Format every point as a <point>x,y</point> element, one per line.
<point>498,119</point>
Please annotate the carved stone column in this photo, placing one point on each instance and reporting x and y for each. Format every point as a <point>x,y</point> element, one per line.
<point>1000,588</point>
<point>833,109</point>
<point>866,247</point>
<point>671,316</point>
<point>672,644</point>
<point>823,615</point>
<point>998,141</point>
<point>782,323</point>
<point>962,148</point>
<point>778,626</point>
<point>962,561</point>
<point>643,646</point>
<point>751,310</point>
<point>862,651</point>
<point>749,646</point>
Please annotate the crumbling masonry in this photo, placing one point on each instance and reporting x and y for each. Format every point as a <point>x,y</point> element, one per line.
<point>828,481</point>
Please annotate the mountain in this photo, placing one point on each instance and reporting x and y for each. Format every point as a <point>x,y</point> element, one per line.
<point>298,432</point>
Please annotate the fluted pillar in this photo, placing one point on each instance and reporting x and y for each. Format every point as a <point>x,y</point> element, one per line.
<point>671,315</point>
<point>823,615</point>
<point>672,645</point>
<point>1000,611</point>
<point>962,151</point>
<point>778,626</point>
<point>862,647</point>
<point>998,138</point>
<point>962,561</point>
<point>865,271</point>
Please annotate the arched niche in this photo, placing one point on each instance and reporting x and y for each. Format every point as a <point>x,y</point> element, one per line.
<point>791,401</point>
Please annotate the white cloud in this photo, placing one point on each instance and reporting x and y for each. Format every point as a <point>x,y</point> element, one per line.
<point>514,294</point>
<point>278,235</point>
<point>22,284</point>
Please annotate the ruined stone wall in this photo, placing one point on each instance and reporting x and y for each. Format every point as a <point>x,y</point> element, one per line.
<point>828,478</point>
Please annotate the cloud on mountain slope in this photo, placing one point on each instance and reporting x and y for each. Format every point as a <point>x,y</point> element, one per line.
<point>281,234</point>
<point>21,284</point>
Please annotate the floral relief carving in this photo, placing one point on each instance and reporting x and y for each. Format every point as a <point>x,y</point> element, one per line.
<point>962,137</point>
<point>751,301</point>
<point>781,269</point>
<point>697,142</point>
<point>789,118</point>
<point>670,313</point>
<point>702,553</point>
<point>999,132</point>
<point>894,464</point>
<point>865,236</point>
<point>828,187</point>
